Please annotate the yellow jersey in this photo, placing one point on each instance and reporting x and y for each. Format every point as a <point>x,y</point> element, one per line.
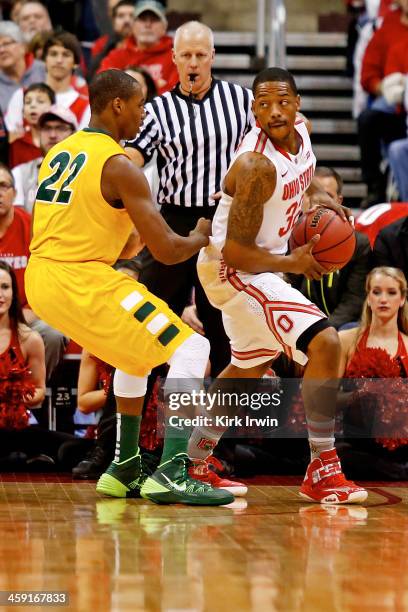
<point>72,220</point>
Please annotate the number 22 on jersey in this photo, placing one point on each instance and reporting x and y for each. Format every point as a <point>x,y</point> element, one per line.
<point>55,188</point>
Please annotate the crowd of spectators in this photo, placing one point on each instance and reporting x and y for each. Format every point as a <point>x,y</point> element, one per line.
<point>380,98</point>
<point>43,99</point>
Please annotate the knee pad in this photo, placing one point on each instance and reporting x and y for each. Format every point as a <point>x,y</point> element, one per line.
<point>125,385</point>
<point>187,366</point>
<point>190,358</point>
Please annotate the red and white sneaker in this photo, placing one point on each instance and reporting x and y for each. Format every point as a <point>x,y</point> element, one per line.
<point>199,470</point>
<point>325,482</point>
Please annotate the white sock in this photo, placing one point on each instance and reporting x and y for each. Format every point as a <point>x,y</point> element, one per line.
<point>321,436</point>
<point>203,441</point>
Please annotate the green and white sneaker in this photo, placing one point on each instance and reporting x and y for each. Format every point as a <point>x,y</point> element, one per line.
<point>122,479</point>
<point>171,484</point>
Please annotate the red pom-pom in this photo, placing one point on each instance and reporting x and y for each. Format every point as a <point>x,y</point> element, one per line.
<point>388,399</point>
<point>373,363</point>
<point>15,387</point>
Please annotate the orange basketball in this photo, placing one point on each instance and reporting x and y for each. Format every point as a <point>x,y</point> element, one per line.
<point>337,240</point>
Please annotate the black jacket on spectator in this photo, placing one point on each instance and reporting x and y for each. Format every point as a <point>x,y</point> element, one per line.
<point>340,295</point>
<point>391,246</point>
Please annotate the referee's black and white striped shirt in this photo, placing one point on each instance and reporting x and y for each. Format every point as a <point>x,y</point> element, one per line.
<point>195,140</point>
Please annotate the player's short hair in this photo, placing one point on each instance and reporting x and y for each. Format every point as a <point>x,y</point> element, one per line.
<point>276,75</point>
<point>44,88</point>
<point>108,85</point>
<point>329,172</point>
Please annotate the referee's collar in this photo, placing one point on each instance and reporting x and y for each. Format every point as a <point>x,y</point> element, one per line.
<point>177,91</point>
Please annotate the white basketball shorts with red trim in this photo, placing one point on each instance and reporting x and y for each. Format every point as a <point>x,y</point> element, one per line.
<point>262,314</point>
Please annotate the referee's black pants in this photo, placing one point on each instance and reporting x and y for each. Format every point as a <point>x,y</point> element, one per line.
<point>174,284</point>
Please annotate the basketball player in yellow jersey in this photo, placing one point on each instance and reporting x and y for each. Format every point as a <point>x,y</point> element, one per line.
<point>92,206</point>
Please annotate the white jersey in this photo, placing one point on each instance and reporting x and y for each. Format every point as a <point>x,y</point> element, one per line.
<point>262,314</point>
<point>294,174</point>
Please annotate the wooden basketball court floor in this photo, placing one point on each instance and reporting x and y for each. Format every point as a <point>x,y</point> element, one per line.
<point>269,551</point>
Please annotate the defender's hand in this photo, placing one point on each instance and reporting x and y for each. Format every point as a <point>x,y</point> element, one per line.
<point>203,227</point>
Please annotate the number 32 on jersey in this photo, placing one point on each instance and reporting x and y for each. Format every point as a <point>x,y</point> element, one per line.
<point>55,188</point>
<point>292,215</point>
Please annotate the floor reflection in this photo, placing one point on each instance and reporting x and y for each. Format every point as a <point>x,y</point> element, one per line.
<point>268,552</point>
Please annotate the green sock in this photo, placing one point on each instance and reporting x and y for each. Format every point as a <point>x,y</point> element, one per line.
<point>175,441</point>
<point>127,436</point>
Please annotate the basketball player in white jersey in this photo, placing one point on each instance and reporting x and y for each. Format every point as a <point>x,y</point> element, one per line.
<point>262,314</point>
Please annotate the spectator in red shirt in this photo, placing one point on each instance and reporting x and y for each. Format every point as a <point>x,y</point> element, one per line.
<point>153,50</point>
<point>123,17</point>
<point>396,69</point>
<point>397,59</point>
<point>37,100</point>
<point>383,122</point>
<point>367,25</point>
<point>15,225</point>
<point>393,29</point>
<point>62,54</point>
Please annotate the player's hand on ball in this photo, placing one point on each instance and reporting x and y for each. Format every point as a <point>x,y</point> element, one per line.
<point>305,263</point>
<point>323,199</point>
<point>203,227</point>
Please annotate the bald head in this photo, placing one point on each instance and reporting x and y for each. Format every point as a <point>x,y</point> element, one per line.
<point>193,54</point>
<point>193,31</point>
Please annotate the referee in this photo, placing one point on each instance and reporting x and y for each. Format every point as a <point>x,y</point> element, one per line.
<point>195,129</point>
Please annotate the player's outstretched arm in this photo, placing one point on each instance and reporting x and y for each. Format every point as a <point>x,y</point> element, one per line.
<point>251,182</point>
<point>123,181</point>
